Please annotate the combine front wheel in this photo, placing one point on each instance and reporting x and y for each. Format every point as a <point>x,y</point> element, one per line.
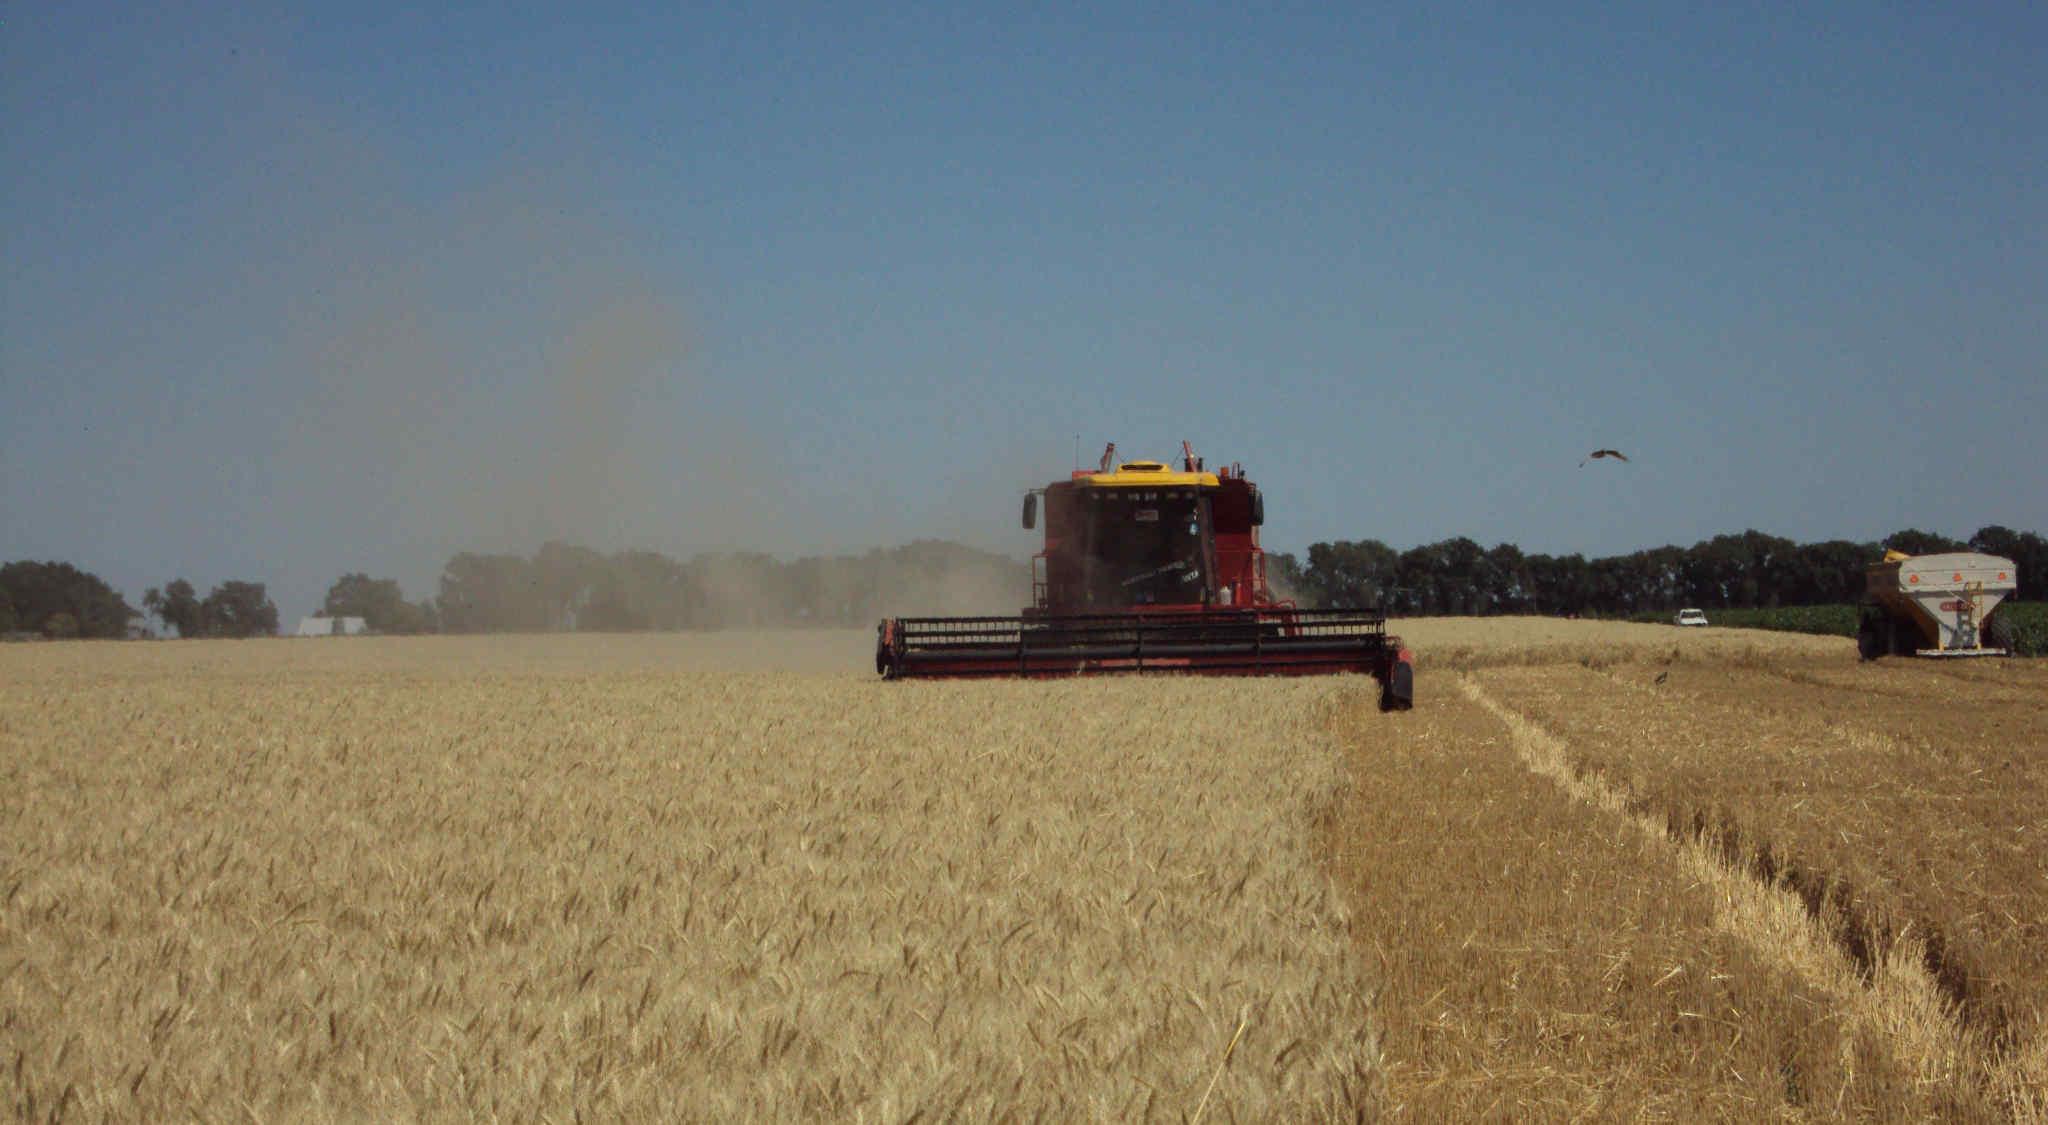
<point>1397,690</point>
<point>888,662</point>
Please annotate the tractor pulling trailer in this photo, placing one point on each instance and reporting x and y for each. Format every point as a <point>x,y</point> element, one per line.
<point>1149,569</point>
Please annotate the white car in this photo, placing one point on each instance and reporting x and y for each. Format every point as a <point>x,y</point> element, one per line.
<point>1691,617</point>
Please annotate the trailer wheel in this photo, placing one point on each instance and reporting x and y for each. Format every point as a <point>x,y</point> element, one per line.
<point>1998,633</point>
<point>1905,638</point>
<point>1872,638</point>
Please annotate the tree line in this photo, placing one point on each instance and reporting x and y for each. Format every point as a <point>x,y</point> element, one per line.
<point>1750,570</point>
<point>559,587</point>
<point>60,601</point>
<point>566,587</point>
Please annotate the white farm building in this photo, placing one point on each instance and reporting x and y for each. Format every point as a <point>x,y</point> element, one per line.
<point>331,626</point>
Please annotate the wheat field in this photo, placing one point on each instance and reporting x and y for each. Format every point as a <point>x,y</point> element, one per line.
<point>1601,870</point>
<point>552,877</point>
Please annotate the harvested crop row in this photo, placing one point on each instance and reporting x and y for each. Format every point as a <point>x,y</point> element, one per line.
<point>1975,714</point>
<point>1542,960</point>
<point>767,896</point>
<point>1480,642</point>
<point>1888,836</point>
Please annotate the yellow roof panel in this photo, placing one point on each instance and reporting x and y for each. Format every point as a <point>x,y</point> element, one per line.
<point>1147,474</point>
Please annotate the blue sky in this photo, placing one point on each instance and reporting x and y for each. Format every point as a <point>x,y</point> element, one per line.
<point>284,295</point>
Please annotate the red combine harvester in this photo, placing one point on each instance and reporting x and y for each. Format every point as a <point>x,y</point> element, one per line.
<point>1150,570</point>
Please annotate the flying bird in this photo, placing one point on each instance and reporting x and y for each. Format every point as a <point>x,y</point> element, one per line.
<point>1617,454</point>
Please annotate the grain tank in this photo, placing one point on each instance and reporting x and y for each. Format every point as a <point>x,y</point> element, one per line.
<point>1935,605</point>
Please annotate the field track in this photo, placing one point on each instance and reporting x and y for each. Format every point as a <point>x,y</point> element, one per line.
<point>1601,870</point>
<point>1896,806</point>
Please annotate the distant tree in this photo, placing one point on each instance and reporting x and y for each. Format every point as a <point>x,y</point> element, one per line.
<point>39,590</point>
<point>176,605</point>
<point>1713,570</point>
<point>638,590</point>
<point>817,588</point>
<point>1830,573</point>
<point>7,618</point>
<point>1610,586</point>
<point>60,626</point>
<point>1773,565</point>
<point>1351,574</point>
<point>378,601</point>
<point>565,577</point>
<point>1997,539</point>
<point>1509,569</point>
<point>2028,551</point>
<point>238,609</point>
<point>1467,584</point>
<point>406,619</point>
<point>749,588</point>
<point>1570,583</point>
<point>490,593</point>
<point>1288,580</point>
<point>1662,575</point>
<point>1913,541</point>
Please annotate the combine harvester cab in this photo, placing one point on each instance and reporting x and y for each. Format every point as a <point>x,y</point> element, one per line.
<point>1935,605</point>
<point>1147,569</point>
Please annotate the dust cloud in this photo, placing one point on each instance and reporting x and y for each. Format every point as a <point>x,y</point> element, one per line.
<point>489,372</point>
<point>961,591</point>
<point>512,359</point>
<point>491,394</point>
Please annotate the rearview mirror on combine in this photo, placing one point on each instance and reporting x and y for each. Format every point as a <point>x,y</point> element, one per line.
<point>1258,509</point>
<point>1030,510</point>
